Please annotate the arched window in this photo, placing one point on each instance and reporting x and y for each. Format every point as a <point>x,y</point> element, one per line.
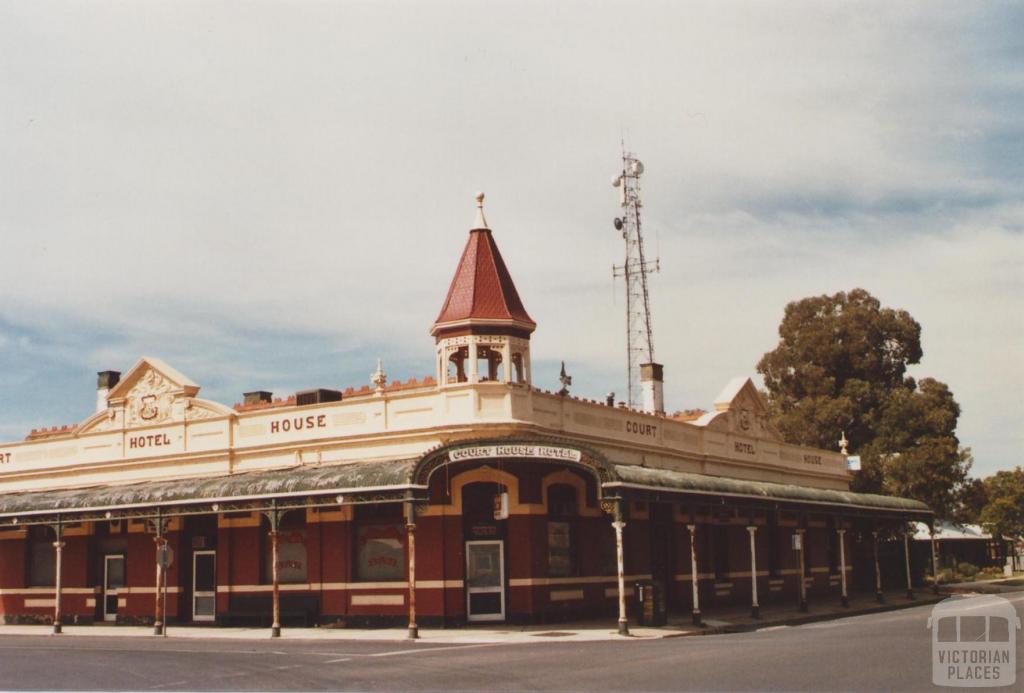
<point>457,365</point>
<point>517,367</point>
<point>562,530</point>
<point>490,364</point>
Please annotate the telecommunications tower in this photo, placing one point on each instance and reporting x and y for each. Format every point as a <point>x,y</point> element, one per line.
<point>644,376</point>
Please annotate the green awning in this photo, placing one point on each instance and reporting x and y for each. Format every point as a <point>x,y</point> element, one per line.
<point>374,478</point>
<point>668,481</point>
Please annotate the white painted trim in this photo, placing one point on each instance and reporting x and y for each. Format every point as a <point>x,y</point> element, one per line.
<point>38,603</point>
<point>614,592</point>
<point>171,589</point>
<point>47,590</point>
<point>588,580</point>
<point>378,599</point>
<point>342,586</point>
<point>685,577</point>
<point>566,595</point>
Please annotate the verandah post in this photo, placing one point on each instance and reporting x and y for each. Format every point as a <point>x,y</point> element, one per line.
<point>755,609</point>
<point>802,533</point>
<point>410,515</point>
<point>878,571</point>
<point>158,606</point>
<point>935,558</point>
<point>58,546</point>
<point>906,559</point>
<point>275,627</point>
<point>619,524</point>
<point>845,600</point>
<point>694,574</point>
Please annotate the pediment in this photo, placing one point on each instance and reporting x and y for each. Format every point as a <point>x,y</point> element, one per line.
<point>152,393</point>
<point>740,409</point>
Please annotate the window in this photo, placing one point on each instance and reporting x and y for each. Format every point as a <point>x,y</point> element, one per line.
<point>379,545</point>
<point>561,520</point>
<point>291,550</point>
<point>42,557</point>
<point>773,544</point>
<point>721,549</point>
<point>832,546</point>
<point>806,553</point>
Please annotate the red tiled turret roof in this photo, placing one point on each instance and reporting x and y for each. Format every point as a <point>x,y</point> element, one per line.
<point>482,288</point>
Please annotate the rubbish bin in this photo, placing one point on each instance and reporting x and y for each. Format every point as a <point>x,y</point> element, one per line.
<point>650,603</point>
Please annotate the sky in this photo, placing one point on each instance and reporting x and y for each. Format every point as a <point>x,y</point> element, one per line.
<point>272,195</point>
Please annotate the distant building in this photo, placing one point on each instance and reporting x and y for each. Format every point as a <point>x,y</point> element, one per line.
<point>470,495</point>
<point>956,544</point>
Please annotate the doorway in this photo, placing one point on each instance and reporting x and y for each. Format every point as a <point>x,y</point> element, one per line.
<point>113,581</point>
<point>204,585</point>
<point>485,580</point>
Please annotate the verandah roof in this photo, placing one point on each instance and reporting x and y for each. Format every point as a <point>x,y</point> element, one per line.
<point>664,480</point>
<point>391,479</point>
<point>376,477</point>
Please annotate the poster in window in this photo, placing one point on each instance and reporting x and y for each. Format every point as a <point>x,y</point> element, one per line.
<point>291,557</point>
<point>559,549</point>
<point>380,554</point>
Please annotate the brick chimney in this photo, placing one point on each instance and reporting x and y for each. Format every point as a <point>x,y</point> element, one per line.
<point>105,382</point>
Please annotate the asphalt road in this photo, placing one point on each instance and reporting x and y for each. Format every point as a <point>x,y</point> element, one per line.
<point>879,652</point>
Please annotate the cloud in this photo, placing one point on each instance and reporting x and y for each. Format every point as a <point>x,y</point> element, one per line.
<point>275,201</point>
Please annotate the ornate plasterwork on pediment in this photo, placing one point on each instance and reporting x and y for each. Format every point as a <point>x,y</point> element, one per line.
<point>740,409</point>
<point>152,393</point>
<point>150,401</point>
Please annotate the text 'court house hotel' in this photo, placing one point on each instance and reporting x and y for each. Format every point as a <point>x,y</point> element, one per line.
<point>467,496</point>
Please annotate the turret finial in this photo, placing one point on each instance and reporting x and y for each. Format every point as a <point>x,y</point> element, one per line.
<point>481,221</point>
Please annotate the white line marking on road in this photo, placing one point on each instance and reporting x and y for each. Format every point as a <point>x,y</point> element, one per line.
<point>165,685</point>
<point>339,659</point>
<point>431,649</point>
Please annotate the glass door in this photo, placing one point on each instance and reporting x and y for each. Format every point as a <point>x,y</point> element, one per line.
<point>113,580</point>
<point>485,580</point>
<point>204,585</point>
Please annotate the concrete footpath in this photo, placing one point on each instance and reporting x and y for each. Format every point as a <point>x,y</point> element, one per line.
<point>727,620</point>
<point>732,619</point>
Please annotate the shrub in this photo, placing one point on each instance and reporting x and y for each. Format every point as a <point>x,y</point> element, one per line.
<point>967,569</point>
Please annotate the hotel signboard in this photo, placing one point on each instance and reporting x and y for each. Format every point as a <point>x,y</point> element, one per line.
<point>482,452</point>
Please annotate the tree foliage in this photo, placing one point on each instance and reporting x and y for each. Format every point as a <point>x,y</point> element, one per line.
<point>1003,514</point>
<point>841,366</point>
